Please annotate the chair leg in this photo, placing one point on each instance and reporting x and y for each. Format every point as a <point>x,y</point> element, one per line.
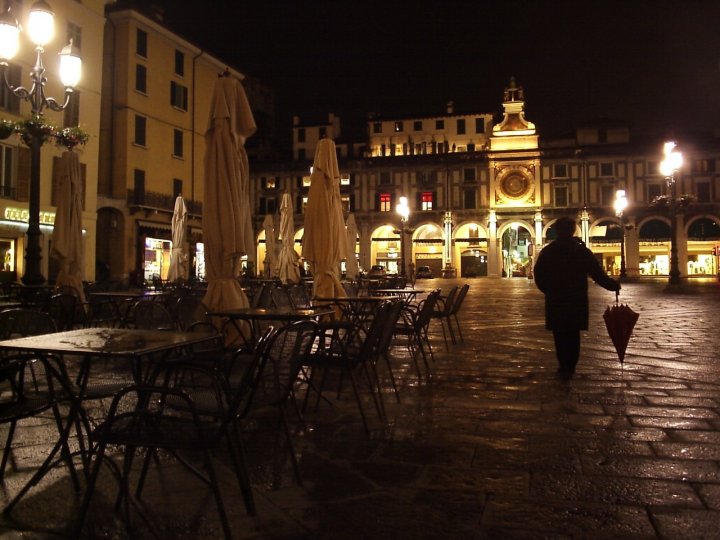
<point>90,488</point>
<point>218,497</point>
<point>459,328</point>
<point>237,455</point>
<point>291,446</point>
<point>392,375</point>
<point>359,402</point>
<point>8,448</point>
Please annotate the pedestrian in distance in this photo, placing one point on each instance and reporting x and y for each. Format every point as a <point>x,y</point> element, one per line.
<point>561,273</point>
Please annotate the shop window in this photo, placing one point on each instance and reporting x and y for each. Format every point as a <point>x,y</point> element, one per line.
<point>7,254</point>
<point>141,78</point>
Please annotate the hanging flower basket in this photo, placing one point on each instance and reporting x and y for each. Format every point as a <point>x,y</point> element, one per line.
<point>34,127</point>
<point>70,137</point>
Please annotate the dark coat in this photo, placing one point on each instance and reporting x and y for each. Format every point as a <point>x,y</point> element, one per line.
<point>561,273</point>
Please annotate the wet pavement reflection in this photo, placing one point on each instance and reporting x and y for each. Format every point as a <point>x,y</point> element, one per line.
<point>493,445</point>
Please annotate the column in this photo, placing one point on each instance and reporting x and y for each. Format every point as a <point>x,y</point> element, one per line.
<point>493,258</point>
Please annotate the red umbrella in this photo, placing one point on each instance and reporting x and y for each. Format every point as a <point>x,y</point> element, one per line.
<point>620,321</point>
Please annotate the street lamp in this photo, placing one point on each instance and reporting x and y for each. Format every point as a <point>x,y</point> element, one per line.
<point>403,211</point>
<point>620,205</point>
<point>40,29</point>
<point>668,166</point>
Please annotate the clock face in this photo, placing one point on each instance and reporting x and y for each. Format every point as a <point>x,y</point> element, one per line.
<point>515,186</point>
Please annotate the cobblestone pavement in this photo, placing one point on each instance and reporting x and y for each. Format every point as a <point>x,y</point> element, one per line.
<point>492,446</point>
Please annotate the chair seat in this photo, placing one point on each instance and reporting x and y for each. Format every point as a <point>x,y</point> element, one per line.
<point>30,405</point>
<point>156,431</point>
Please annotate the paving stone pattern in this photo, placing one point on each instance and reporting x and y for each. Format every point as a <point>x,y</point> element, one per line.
<point>494,445</point>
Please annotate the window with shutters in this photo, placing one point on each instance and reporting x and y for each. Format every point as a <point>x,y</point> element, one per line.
<point>179,63</point>
<point>141,48</point>
<point>9,101</point>
<point>177,143</point>
<point>7,171</point>
<point>140,130</point>
<point>426,201</point>
<point>178,96</point>
<point>385,202</point>
<point>139,186</point>
<point>141,78</point>
<point>71,114</point>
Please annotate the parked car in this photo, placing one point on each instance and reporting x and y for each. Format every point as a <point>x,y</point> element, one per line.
<point>423,272</point>
<point>377,270</point>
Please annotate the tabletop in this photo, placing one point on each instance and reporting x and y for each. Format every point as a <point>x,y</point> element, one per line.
<point>272,314</point>
<point>107,342</point>
<point>139,293</point>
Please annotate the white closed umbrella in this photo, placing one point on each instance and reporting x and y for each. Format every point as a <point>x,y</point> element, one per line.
<point>227,225</point>
<point>270,244</point>
<point>325,241</point>
<point>288,269</point>
<point>178,258</point>
<point>351,264</point>
<point>67,232</point>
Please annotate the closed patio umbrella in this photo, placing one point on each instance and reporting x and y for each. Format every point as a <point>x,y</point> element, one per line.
<point>178,258</point>
<point>287,263</point>
<point>351,264</point>
<point>270,258</point>
<point>227,227</point>
<point>67,233</point>
<point>325,241</point>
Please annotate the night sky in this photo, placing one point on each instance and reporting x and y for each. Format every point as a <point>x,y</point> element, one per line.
<point>655,63</point>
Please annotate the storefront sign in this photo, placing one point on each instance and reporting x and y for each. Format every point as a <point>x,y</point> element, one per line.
<point>23,215</point>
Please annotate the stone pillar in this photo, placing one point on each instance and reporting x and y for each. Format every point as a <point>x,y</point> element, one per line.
<point>494,261</point>
<point>632,249</point>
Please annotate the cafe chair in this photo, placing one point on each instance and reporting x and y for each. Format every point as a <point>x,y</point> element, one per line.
<point>189,409</point>
<point>456,309</point>
<point>149,315</point>
<point>273,390</point>
<point>442,311</point>
<point>63,308</point>
<point>21,322</point>
<point>32,385</point>
<point>350,351</point>
<point>189,310</point>
<point>413,327</point>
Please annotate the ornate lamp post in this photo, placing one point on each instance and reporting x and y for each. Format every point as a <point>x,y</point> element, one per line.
<point>668,167</point>
<point>40,29</point>
<point>620,205</point>
<point>403,211</point>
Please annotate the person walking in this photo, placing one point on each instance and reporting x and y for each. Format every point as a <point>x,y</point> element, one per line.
<point>561,274</point>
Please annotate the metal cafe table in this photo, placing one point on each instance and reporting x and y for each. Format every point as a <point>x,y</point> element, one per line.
<point>253,315</point>
<point>142,348</point>
<point>357,309</point>
<point>116,298</point>
<point>406,295</point>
